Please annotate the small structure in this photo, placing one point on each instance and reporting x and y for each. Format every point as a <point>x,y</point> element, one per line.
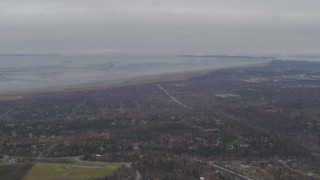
<point>14,134</point>
<point>244,145</point>
<point>136,147</point>
<point>230,147</point>
<point>10,125</point>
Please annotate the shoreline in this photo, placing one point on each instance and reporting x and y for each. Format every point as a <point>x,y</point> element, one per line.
<point>145,79</point>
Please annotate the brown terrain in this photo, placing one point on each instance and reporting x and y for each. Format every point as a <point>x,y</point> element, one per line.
<point>248,122</point>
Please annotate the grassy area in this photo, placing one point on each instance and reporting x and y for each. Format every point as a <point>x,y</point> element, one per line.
<point>244,168</point>
<point>77,170</point>
<point>14,171</point>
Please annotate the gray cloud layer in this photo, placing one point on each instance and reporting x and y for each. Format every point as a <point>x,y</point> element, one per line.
<point>164,26</point>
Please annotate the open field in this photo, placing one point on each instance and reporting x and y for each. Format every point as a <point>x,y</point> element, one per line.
<point>78,170</point>
<point>14,171</point>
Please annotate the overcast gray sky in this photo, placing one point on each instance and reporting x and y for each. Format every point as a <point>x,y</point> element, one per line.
<point>160,26</point>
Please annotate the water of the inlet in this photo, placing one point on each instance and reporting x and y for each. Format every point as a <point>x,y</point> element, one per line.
<point>57,72</point>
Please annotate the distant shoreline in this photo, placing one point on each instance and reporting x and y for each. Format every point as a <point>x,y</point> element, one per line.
<point>178,76</point>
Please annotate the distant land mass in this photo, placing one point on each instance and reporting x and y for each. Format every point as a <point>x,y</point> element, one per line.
<point>28,54</point>
<point>229,56</point>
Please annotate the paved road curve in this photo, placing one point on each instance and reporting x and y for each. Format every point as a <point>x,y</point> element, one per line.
<point>138,175</point>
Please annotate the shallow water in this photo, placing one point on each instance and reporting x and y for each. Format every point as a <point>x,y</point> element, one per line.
<point>39,72</point>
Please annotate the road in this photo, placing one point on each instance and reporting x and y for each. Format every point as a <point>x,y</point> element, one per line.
<point>224,169</point>
<point>9,159</point>
<point>138,175</point>
<point>173,98</point>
